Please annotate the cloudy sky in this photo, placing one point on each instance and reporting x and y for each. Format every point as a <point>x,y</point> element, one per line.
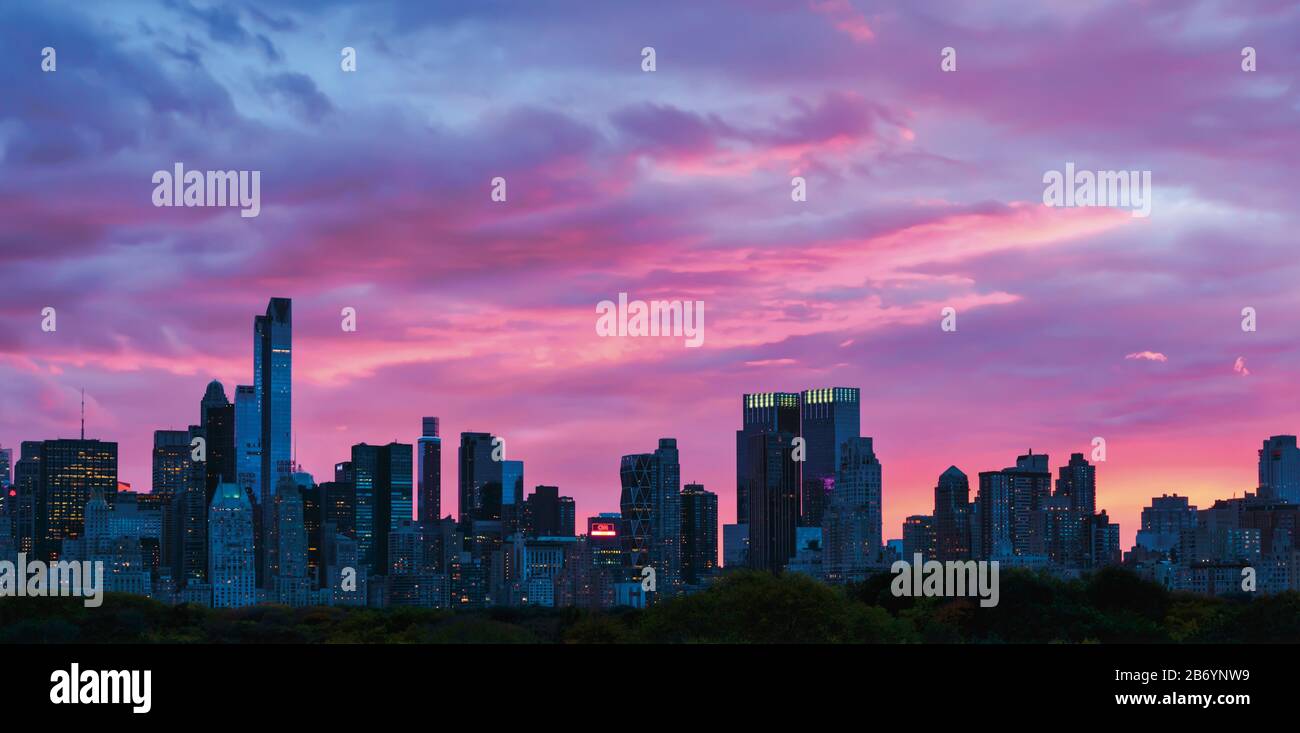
<point>924,192</point>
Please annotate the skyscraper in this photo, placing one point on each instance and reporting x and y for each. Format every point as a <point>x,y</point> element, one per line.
<point>761,412</point>
<point>382,477</point>
<point>6,466</point>
<point>231,561</point>
<point>952,516</point>
<point>1279,469</point>
<point>286,547</point>
<point>543,514</point>
<point>852,531</point>
<point>828,418</point>
<point>217,418</point>
<point>248,440</point>
<point>918,537</point>
<point>71,471</point>
<point>172,467</point>
<point>651,509</point>
<point>479,480</point>
<point>1006,503</point>
<point>699,534</point>
<point>512,496</point>
<point>429,471</point>
<point>771,482</point>
<point>273,377</point>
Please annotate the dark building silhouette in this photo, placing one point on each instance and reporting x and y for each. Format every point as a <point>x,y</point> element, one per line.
<point>382,477</point>
<point>651,509</point>
<point>828,418</point>
<point>952,516</point>
<point>771,481</point>
<point>547,514</point>
<point>918,538</point>
<point>699,534</point>
<point>480,477</point>
<point>429,472</point>
<point>762,412</point>
<point>1077,481</point>
<point>217,418</point>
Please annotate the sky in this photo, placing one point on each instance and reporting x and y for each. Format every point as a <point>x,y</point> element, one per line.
<point>924,191</point>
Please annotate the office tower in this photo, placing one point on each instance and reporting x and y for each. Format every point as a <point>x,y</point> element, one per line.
<point>338,501</point>
<point>248,440</point>
<point>1279,469</point>
<point>606,544</point>
<point>26,489</point>
<point>952,516</point>
<point>828,418</point>
<point>313,520</point>
<point>918,537</point>
<point>6,467</point>
<point>763,412</point>
<point>852,532</point>
<point>542,512</point>
<point>409,582</point>
<point>429,471</point>
<point>771,478</point>
<point>568,517</point>
<point>187,525</point>
<point>71,470</point>
<point>273,377</point>
<point>172,465</point>
<point>651,504</point>
<point>217,418</point>
<point>699,534</point>
<point>512,496</point>
<point>479,479</point>
<point>231,568</point>
<point>1077,481</point>
<point>382,477</point>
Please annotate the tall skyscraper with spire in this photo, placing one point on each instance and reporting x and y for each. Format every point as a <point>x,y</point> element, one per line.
<point>273,377</point>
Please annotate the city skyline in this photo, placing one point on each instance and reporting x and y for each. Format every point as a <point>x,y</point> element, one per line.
<point>450,491</point>
<point>924,192</point>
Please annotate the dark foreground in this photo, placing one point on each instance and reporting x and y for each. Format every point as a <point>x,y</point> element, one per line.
<point>1112,606</point>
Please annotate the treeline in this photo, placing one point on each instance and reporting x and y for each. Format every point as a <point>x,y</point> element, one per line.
<point>1113,605</point>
